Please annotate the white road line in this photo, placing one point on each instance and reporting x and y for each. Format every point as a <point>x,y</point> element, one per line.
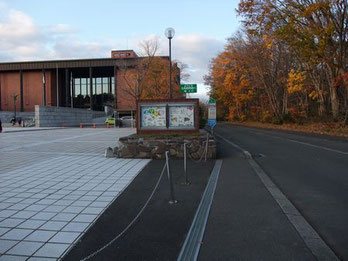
<point>303,143</point>
<point>314,242</point>
<point>317,146</point>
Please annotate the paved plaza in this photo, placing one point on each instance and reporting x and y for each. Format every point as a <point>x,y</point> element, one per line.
<point>53,185</point>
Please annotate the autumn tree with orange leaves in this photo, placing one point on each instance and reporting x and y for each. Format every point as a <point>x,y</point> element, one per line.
<point>149,78</point>
<point>289,63</point>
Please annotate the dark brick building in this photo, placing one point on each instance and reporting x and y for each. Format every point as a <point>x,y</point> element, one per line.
<point>77,83</point>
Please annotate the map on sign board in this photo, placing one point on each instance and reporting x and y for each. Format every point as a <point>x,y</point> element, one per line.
<point>153,116</point>
<point>181,116</point>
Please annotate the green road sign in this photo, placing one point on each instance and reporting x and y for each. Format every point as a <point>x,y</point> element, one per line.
<point>212,101</point>
<point>188,88</point>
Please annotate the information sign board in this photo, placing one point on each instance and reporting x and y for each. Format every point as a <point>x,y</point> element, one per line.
<point>181,116</point>
<point>212,112</point>
<point>153,116</point>
<point>167,116</point>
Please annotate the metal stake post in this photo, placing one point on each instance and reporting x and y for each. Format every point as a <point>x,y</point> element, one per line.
<point>172,201</point>
<point>185,165</point>
<point>206,147</point>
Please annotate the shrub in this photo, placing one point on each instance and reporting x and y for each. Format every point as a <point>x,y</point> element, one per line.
<point>287,118</point>
<point>202,123</point>
<point>277,120</point>
<point>266,117</point>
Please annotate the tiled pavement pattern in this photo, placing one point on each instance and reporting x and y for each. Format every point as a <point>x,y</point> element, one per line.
<point>53,185</point>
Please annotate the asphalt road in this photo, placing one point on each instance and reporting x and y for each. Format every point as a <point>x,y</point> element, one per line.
<point>311,170</point>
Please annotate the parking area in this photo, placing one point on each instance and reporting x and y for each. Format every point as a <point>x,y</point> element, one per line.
<point>53,185</point>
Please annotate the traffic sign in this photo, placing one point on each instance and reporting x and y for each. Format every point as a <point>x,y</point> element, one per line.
<point>188,88</point>
<point>212,123</point>
<point>212,101</point>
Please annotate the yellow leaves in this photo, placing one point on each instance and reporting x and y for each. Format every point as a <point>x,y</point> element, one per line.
<point>295,82</point>
<point>251,92</point>
<point>313,95</point>
<point>268,41</point>
<point>313,8</point>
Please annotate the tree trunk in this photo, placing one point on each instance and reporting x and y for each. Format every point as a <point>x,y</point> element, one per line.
<point>315,78</point>
<point>334,101</point>
<point>322,109</point>
<point>285,102</point>
<point>333,92</point>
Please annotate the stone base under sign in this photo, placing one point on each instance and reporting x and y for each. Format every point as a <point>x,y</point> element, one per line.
<point>154,147</point>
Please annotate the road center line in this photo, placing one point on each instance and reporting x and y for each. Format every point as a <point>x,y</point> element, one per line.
<point>314,242</point>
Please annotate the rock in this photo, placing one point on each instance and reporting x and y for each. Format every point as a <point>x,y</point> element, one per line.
<point>124,153</point>
<point>180,154</point>
<point>144,155</point>
<point>109,153</point>
<point>161,148</point>
<point>133,149</point>
<point>155,147</point>
<point>143,148</point>
<point>172,152</point>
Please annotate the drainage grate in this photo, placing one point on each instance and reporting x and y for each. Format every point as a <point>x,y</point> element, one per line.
<point>192,244</point>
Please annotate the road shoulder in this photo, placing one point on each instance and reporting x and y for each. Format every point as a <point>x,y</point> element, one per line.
<point>245,222</point>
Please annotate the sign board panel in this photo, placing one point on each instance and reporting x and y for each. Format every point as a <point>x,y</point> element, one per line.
<point>167,116</point>
<point>188,88</point>
<point>181,116</point>
<point>212,112</point>
<point>153,116</point>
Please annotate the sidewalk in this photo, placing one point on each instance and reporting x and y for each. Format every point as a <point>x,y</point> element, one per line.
<point>161,229</point>
<point>245,222</point>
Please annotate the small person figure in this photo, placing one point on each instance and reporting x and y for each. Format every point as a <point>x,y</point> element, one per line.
<point>0,126</point>
<point>13,121</point>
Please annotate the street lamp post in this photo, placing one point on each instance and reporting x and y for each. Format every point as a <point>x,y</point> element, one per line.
<point>169,33</point>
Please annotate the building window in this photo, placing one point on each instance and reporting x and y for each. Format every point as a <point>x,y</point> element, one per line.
<point>113,85</point>
<point>77,86</point>
<point>105,85</point>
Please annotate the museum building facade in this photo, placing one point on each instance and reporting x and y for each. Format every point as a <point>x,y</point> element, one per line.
<point>77,83</point>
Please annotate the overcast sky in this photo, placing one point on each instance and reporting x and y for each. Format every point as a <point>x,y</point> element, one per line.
<point>57,29</point>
